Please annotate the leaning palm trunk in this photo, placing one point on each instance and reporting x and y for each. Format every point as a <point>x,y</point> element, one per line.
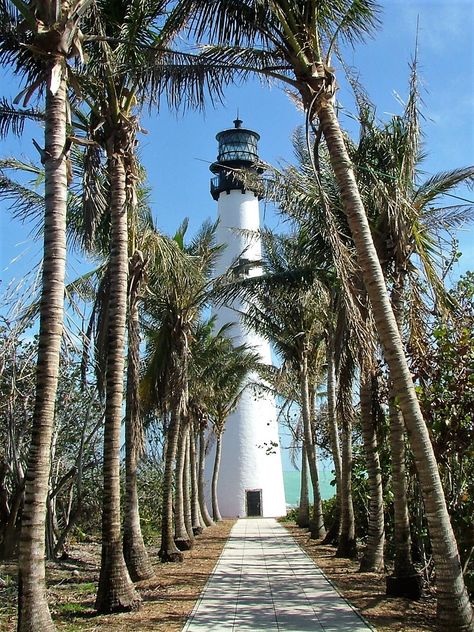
<point>317,519</point>
<point>116,591</point>
<point>332,536</point>
<point>454,608</point>
<point>182,539</point>
<point>169,551</point>
<point>33,611</point>
<point>303,510</point>
<point>135,554</point>
<point>373,559</point>
<point>216,514</point>
<point>202,462</point>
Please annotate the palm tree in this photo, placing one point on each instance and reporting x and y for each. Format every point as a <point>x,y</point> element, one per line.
<point>346,546</point>
<point>373,558</point>
<point>204,350</point>
<point>284,305</point>
<point>230,368</point>
<point>174,305</point>
<point>333,429</point>
<point>328,252</point>
<point>135,554</point>
<point>38,40</point>
<point>293,43</point>
<point>408,219</point>
<point>129,64</point>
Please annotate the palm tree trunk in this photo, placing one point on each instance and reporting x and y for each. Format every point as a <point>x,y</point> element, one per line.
<point>216,514</point>
<point>454,608</point>
<point>181,538</point>
<point>134,551</point>
<point>317,519</point>
<point>405,581</point>
<point>347,542</point>
<point>169,552</point>
<point>202,461</point>
<point>116,591</point>
<point>303,509</point>
<point>188,520</point>
<point>332,536</point>
<point>373,558</point>
<point>33,611</point>
<point>197,520</point>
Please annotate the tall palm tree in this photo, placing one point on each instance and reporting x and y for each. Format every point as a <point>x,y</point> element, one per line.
<point>231,368</point>
<point>329,253</point>
<point>38,40</point>
<point>373,558</point>
<point>409,217</point>
<point>129,63</point>
<point>333,429</point>
<point>293,43</point>
<point>135,554</point>
<point>345,412</point>
<point>284,305</point>
<point>174,305</point>
<point>204,349</point>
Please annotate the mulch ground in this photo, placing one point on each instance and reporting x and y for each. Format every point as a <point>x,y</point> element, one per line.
<point>167,599</point>
<point>366,591</point>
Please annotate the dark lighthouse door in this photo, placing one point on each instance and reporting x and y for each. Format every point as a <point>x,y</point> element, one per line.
<point>254,502</point>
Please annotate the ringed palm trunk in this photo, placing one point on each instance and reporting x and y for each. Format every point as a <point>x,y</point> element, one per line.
<point>116,591</point>
<point>347,542</point>
<point>216,514</point>
<point>195,509</point>
<point>405,581</point>
<point>33,611</point>
<point>317,519</point>
<point>332,536</point>
<point>135,554</point>
<point>373,558</point>
<point>202,462</point>
<point>181,538</point>
<point>169,551</point>
<point>187,491</point>
<point>303,509</point>
<point>454,608</point>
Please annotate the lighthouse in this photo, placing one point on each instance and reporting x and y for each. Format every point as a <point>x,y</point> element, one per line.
<point>251,478</point>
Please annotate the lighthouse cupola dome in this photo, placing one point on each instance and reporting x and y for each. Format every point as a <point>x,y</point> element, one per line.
<point>238,149</point>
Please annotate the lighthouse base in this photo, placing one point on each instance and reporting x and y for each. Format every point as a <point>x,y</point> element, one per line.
<point>251,477</point>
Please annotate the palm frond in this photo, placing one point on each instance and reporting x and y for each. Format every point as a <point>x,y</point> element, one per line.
<point>13,120</point>
<point>442,183</point>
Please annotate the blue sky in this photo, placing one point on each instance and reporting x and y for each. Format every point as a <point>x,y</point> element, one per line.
<point>178,149</point>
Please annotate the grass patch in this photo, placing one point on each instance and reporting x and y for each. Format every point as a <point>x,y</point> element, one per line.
<point>71,609</point>
<point>87,587</point>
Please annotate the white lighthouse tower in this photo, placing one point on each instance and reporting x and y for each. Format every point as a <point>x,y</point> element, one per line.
<point>251,478</point>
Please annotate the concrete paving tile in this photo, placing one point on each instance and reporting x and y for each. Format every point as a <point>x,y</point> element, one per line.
<point>264,582</point>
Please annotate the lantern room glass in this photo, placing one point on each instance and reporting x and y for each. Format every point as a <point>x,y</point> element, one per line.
<point>238,145</point>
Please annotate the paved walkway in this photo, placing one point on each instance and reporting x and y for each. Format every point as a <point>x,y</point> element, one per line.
<point>263,581</point>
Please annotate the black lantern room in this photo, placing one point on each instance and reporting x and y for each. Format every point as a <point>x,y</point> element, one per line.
<point>237,150</point>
